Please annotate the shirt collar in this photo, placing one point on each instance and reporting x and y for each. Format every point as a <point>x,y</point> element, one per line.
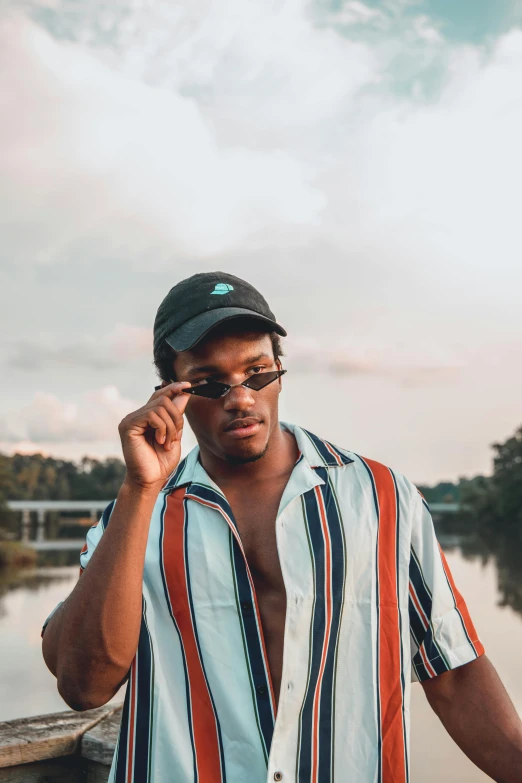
<point>314,452</point>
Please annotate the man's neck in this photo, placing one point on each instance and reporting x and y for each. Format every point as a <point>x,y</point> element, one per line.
<point>278,459</point>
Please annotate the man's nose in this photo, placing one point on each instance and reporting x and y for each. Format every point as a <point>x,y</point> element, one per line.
<point>239,398</point>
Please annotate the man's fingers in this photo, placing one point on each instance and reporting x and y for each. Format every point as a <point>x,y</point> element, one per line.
<point>171,390</point>
<point>157,423</point>
<point>173,409</point>
<point>170,426</point>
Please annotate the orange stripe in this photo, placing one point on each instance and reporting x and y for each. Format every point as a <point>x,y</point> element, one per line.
<point>463,609</point>
<point>390,687</point>
<point>418,606</point>
<point>431,671</point>
<point>328,627</point>
<point>203,718</point>
<point>130,754</point>
<point>425,658</point>
<point>333,453</point>
<point>231,525</point>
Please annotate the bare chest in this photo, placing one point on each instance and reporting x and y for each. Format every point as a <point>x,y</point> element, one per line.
<point>255,517</point>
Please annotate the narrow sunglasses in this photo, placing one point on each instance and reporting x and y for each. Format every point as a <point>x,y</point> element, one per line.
<point>214,389</point>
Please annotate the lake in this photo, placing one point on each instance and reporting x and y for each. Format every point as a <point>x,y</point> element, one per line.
<point>491,585</point>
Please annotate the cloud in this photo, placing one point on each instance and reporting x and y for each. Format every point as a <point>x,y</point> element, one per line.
<point>426,31</point>
<point>364,359</point>
<point>91,153</point>
<point>122,345</point>
<point>49,420</point>
<point>354,12</point>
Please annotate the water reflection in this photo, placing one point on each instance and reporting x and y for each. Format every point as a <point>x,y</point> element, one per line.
<point>500,547</point>
<point>33,581</point>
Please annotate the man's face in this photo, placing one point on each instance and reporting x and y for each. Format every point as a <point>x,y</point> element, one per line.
<point>236,427</point>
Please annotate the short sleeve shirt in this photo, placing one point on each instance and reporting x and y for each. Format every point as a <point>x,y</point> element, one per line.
<point>371,605</point>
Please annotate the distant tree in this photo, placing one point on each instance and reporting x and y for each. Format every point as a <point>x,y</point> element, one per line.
<point>507,480</point>
<point>35,477</point>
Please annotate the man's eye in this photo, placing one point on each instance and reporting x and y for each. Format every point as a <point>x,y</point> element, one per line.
<point>256,370</point>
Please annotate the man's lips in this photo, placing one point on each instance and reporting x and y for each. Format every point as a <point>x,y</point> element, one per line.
<point>242,428</point>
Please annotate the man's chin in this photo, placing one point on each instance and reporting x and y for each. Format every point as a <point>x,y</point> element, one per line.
<point>245,457</point>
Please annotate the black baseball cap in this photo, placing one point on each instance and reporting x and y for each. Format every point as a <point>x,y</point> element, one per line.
<point>196,305</point>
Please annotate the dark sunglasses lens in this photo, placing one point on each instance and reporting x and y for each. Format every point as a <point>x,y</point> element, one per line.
<point>212,390</point>
<point>262,379</point>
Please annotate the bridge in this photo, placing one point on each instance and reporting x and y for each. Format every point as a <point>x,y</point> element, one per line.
<point>94,509</point>
<point>40,508</point>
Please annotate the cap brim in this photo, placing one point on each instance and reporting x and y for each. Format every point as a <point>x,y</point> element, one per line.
<point>191,332</point>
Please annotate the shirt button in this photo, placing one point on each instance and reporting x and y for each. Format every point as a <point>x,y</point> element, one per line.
<point>278,775</point>
<point>246,606</point>
<point>261,689</point>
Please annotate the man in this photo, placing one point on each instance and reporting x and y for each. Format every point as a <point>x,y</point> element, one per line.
<point>269,573</point>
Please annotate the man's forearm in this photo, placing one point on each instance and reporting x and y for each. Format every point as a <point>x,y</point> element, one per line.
<point>477,712</point>
<point>90,642</point>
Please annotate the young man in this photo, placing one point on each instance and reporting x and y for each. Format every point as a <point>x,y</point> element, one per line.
<point>269,573</point>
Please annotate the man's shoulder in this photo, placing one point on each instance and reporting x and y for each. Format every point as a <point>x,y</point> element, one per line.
<point>380,477</point>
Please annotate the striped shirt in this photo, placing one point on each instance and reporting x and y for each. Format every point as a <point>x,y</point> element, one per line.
<point>371,606</point>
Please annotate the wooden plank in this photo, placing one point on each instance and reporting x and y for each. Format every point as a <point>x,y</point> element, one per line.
<point>46,736</point>
<point>99,743</point>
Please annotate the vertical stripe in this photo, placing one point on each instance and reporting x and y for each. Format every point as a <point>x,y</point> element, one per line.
<point>120,775</point>
<point>176,477</point>
<point>132,722</point>
<point>196,638</point>
<point>329,455</point>
<point>182,649</point>
<point>145,697</point>
<point>206,739</point>
<point>461,608</point>
<point>249,618</point>
<point>393,764</point>
<point>316,725</point>
<point>401,630</point>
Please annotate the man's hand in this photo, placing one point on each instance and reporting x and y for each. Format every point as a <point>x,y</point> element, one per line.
<point>151,437</point>
<point>478,714</point>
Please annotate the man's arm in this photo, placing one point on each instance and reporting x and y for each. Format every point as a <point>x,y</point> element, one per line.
<point>477,712</point>
<point>91,640</point>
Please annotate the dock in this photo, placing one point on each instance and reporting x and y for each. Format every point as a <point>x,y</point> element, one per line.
<point>68,746</point>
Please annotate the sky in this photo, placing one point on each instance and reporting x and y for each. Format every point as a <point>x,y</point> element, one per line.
<point>358,162</point>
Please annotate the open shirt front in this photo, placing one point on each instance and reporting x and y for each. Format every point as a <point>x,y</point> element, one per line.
<point>371,605</point>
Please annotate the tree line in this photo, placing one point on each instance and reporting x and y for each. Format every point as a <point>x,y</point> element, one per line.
<point>491,503</point>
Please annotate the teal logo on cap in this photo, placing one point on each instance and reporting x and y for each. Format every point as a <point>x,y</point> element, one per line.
<point>222,288</point>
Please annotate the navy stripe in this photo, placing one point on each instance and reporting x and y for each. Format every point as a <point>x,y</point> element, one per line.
<point>337,576</point>
<point>432,653</point>
<point>144,702</point>
<point>313,522</point>
<point>326,456</point>
<point>338,565</point>
<point>121,758</point>
<point>166,591</point>
<point>103,521</point>
<point>425,600</point>
<point>421,589</point>
<point>417,626</point>
<point>105,517</point>
<point>173,480</point>
<point>194,626</point>
<point>420,670</point>
<point>248,619</point>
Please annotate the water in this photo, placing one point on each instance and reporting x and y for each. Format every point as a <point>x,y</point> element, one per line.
<point>28,688</point>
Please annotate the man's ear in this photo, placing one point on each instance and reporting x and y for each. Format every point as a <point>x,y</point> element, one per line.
<point>279,380</point>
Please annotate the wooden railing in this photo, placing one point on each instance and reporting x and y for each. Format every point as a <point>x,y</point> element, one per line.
<point>68,747</point>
